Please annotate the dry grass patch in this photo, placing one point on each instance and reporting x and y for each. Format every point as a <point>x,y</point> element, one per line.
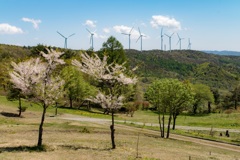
<point>65,139</point>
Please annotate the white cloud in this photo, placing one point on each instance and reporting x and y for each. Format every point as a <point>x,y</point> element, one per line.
<point>90,23</point>
<point>8,29</point>
<point>106,30</point>
<point>164,21</point>
<point>103,36</point>
<point>143,24</point>
<point>33,21</point>
<point>126,29</point>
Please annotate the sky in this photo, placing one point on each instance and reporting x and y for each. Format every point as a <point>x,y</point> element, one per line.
<point>208,24</point>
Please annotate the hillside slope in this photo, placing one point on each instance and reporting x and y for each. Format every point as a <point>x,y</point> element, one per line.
<point>217,71</point>
<point>214,70</point>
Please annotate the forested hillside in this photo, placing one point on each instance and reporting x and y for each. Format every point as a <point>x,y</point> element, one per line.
<point>216,71</point>
<point>198,67</point>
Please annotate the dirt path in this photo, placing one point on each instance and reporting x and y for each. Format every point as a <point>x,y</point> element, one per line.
<point>155,133</point>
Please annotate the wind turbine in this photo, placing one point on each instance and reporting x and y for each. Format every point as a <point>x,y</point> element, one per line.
<point>189,44</point>
<point>170,37</point>
<point>162,39</point>
<point>91,37</point>
<point>65,42</point>
<point>179,41</point>
<point>140,37</point>
<point>129,35</point>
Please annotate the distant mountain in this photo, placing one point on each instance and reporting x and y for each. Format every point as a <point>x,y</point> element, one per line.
<point>229,53</point>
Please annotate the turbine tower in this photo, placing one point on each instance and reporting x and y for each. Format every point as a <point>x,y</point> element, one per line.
<point>189,44</point>
<point>140,37</point>
<point>170,37</point>
<point>91,37</point>
<point>179,41</point>
<point>66,38</point>
<point>162,39</point>
<point>129,35</point>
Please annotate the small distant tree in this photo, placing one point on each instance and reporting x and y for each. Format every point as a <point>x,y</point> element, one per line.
<point>111,77</point>
<point>131,107</point>
<point>36,80</point>
<point>202,95</point>
<point>15,94</point>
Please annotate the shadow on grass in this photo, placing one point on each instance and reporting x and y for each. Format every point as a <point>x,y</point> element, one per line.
<point>24,149</point>
<point>72,147</point>
<point>8,114</point>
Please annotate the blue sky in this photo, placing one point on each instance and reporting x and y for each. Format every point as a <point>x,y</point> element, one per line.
<point>210,24</point>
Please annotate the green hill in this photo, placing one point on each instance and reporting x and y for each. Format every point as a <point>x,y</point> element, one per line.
<point>198,67</point>
<point>217,71</point>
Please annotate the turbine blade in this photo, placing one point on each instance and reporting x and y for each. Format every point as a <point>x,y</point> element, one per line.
<point>138,38</point>
<point>125,33</point>
<point>139,31</point>
<point>61,34</point>
<point>172,34</point>
<point>131,30</point>
<point>167,35</point>
<point>178,42</point>
<point>178,36</point>
<point>88,31</point>
<point>71,35</point>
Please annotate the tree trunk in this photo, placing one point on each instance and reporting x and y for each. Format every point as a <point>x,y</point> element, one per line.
<point>235,104</point>
<point>160,125</point>
<point>20,106</point>
<point>195,109</point>
<point>209,107</point>
<point>88,106</point>
<point>70,102</point>
<point>169,123</point>
<point>56,109</point>
<point>174,120</point>
<point>163,126</point>
<point>112,131</point>
<point>41,126</point>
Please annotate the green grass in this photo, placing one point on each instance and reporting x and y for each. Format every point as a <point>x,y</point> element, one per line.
<point>204,134</point>
<point>216,120</point>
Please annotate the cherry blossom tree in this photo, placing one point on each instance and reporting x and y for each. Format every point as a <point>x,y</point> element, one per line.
<point>37,81</point>
<point>112,78</point>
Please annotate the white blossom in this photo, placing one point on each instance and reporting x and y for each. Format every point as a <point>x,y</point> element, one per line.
<point>102,71</point>
<point>53,57</point>
<point>108,101</point>
<point>33,77</point>
<point>26,74</point>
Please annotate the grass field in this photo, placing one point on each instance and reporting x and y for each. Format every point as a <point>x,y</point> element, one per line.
<point>65,139</point>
